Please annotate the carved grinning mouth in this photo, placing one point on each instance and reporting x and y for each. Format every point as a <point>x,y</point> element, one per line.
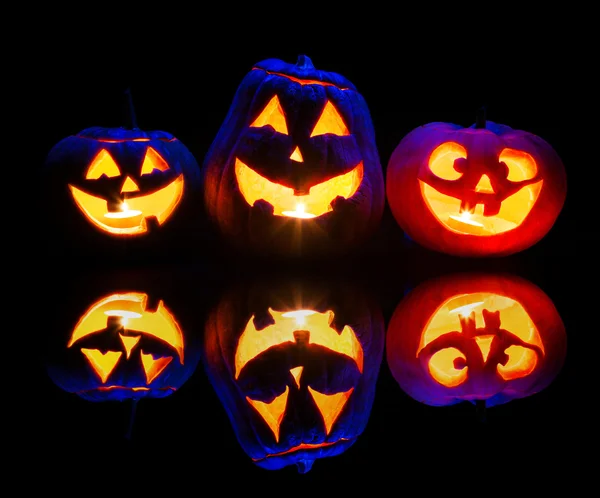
<point>131,219</point>
<point>488,216</point>
<point>317,202</point>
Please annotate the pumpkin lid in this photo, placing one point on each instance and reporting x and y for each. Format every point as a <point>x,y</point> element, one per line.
<point>102,133</point>
<point>305,70</point>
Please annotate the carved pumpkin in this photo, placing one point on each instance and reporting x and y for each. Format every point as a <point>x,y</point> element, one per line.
<point>295,366</point>
<point>475,337</point>
<point>125,343</point>
<point>486,190</point>
<point>294,169</point>
<point>103,186</point>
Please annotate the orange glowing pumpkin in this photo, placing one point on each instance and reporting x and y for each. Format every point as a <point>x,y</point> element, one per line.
<point>486,190</point>
<point>103,188</point>
<point>475,337</point>
<point>295,367</point>
<point>294,169</point>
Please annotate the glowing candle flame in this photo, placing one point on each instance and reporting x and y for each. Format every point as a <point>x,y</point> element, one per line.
<point>123,314</point>
<point>299,212</point>
<point>124,213</point>
<point>299,315</point>
<point>466,309</point>
<point>465,217</point>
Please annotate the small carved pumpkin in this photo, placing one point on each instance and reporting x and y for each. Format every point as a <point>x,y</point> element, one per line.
<point>486,190</point>
<point>127,343</point>
<point>475,337</point>
<point>294,169</point>
<point>104,186</point>
<point>295,366</point>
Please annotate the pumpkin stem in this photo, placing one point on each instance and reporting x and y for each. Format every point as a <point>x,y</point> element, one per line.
<point>304,62</point>
<point>132,117</point>
<point>481,410</point>
<point>481,117</point>
<point>134,403</point>
<point>304,465</point>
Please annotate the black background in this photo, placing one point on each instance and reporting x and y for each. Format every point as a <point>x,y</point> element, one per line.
<point>183,72</point>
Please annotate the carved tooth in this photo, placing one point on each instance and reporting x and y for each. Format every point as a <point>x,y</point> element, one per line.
<point>263,207</point>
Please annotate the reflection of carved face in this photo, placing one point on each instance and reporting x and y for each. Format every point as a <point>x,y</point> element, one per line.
<point>294,193</point>
<point>121,339</point>
<point>478,192</point>
<point>478,336</point>
<point>129,205</point>
<point>289,358</point>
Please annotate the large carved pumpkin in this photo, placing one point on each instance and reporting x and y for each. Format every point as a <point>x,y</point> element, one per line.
<point>105,189</point>
<point>485,190</point>
<point>475,337</point>
<point>294,169</point>
<point>295,365</point>
<point>125,335</point>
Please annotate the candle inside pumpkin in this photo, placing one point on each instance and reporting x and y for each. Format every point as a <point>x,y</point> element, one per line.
<point>465,218</point>
<point>124,315</point>
<point>299,212</point>
<point>299,315</point>
<point>124,217</point>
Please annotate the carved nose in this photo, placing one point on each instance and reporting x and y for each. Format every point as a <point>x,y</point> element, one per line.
<point>129,186</point>
<point>484,185</point>
<point>296,156</point>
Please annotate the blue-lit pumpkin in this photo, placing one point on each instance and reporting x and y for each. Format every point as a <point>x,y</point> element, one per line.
<point>108,188</point>
<point>294,169</point>
<point>129,341</point>
<point>295,366</point>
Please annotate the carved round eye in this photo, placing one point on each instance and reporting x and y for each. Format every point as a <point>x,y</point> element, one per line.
<point>447,367</point>
<point>444,161</point>
<point>521,165</point>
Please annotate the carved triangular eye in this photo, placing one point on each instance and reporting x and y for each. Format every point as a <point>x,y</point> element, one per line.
<point>272,412</point>
<point>154,366</point>
<point>330,405</point>
<point>272,115</point>
<point>330,121</point>
<point>102,363</point>
<point>153,161</point>
<point>103,164</point>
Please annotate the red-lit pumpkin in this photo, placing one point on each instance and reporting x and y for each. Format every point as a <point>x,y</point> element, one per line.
<point>295,366</point>
<point>104,189</point>
<point>486,190</point>
<point>475,337</point>
<point>294,169</point>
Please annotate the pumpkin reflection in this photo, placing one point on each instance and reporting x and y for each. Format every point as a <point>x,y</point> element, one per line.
<point>475,337</point>
<point>295,367</point>
<point>128,343</point>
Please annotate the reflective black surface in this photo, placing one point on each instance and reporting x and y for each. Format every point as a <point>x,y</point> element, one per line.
<point>188,433</point>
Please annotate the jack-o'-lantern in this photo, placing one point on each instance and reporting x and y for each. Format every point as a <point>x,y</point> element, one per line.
<point>486,190</point>
<point>295,366</point>
<point>122,337</point>
<point>483,338</point>
<point>106,185</point>
<point>294,169</point>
